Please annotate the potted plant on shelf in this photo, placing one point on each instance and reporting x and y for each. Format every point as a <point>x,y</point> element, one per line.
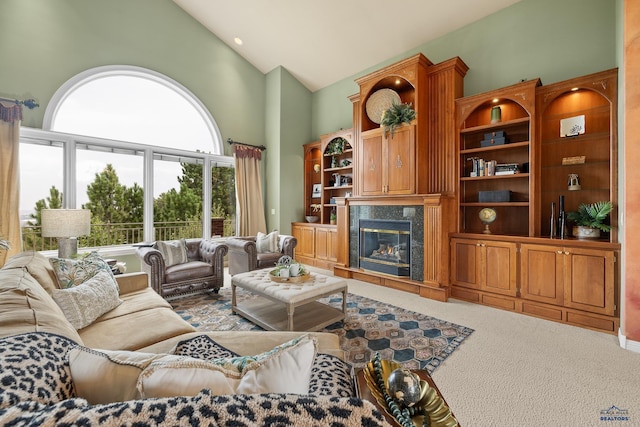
<point>589,219</point>
<point>333,217</point>
<point>396,115</point>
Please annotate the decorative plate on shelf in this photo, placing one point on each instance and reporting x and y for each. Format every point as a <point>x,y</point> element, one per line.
<point>379,102</point>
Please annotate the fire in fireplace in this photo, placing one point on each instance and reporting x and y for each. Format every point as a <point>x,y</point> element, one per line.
<point>385,246</point>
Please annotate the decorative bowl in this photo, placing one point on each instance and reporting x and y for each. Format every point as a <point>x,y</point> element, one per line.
<point>430,402</point>
<point>312,218</point>
<point>297,279</point>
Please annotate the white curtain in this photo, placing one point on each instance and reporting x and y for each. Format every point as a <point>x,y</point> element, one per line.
<point>249,190</point>
<point>10,117</point>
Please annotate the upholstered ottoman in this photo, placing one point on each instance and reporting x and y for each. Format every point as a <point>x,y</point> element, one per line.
<point>288,306</point>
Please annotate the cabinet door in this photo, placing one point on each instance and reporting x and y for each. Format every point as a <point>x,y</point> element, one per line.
<point>465,258</point>
<point>371,171</point>
<point>326,244</point>
<point>590,280</point>
<point>401,161</point>
<point>542,269</point>
<point>306,240</point>
<point>498,269</point>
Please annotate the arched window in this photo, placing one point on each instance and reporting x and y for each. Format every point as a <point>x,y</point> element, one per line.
<point>143,136</point>
<point>133,104</point>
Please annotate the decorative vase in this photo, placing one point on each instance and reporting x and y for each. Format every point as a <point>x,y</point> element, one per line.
<point>582,232</point>
<point>496,114</point>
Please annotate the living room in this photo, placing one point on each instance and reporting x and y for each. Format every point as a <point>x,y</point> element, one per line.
<point>53,41</point>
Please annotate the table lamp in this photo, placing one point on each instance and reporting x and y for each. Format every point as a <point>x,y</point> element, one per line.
<point>67,225</point>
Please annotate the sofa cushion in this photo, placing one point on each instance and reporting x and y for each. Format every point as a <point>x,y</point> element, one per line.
<point>33,367</point>
<point>125,332</point>
<point>284,369</point>
<point>38,267</point>
<point>173,252</point>
<point>267,242</point>
<point>25,306</point>
<point>135,302</point>
<point>116,373</point>
<point>187,270</point>
<point>84,303</point>
<point>73,272</point>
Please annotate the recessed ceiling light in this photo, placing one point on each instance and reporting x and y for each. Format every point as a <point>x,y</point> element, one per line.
<point>238,41</point>
<point>495,100</point>
<point>573,89</point>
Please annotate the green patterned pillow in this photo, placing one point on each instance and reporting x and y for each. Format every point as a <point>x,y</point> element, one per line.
<point>73,272</point>
<point>174,252</point>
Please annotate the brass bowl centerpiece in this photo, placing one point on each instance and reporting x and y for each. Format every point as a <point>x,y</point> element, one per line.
<point>429,404</point>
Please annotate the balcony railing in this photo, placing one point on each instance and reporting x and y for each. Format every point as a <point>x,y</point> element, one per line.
<point>126,233</point>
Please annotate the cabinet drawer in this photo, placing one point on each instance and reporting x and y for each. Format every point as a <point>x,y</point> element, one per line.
<point>464,294</point>
<point>601,324</point>
<point>503,303</point>
<point>542,311</point>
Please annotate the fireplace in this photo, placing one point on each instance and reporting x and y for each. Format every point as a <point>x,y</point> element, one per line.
<point>385,246</point>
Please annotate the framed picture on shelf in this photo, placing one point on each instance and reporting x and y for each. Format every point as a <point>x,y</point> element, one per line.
<point>317,190</point>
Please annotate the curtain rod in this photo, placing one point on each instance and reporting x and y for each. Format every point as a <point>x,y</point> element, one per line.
<point>29,103</point>
<point>231,142</point>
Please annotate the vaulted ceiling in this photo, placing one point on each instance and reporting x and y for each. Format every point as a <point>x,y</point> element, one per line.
<point>322,42</point>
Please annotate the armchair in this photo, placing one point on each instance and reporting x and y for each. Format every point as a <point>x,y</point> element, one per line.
<point>203,269</point>
<point>244,255</point>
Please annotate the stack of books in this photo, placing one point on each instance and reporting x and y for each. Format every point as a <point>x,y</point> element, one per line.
<point>507,169</point>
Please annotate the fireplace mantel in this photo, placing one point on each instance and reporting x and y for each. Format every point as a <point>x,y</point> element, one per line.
<point>436,216</point>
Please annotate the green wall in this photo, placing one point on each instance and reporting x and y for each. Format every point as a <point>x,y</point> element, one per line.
<point>551,39</point>
<point>46,42</point>
<point>288,111</point>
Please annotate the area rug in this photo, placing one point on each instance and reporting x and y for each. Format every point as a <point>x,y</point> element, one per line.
<point>415,340</point>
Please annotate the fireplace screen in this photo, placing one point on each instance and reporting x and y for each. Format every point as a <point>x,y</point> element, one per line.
<point>385,246</point>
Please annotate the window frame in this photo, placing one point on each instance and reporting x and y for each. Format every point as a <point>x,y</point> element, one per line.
<point>71,143</point>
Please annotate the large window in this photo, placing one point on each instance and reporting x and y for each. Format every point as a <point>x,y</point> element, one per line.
<point>137,149</point>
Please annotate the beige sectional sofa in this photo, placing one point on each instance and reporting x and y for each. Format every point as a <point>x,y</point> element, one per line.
<point>37,389</point>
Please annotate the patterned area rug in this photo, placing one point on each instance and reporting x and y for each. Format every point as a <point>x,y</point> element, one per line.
<point>415,340</point>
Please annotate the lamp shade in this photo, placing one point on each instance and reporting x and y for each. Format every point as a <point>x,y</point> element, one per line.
<point>65,222</point>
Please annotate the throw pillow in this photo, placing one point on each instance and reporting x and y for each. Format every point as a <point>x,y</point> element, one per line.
<point>267,242</point>
<point>202,347</point>
<point>33,369</point>
<point>72,272</point>
<point>330,375</point>
<point>86,302</point>
<point>285,369</point>
<point>105,376</point>
<point>174,252</point>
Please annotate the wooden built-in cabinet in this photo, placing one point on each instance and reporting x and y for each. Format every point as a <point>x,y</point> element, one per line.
<point>484,264</point>
<point>328,175</point>
<point>387,162</point>
<point>594,97</point>
<point>519,265</point>
<point>317,244</point>
<point>517,106</point>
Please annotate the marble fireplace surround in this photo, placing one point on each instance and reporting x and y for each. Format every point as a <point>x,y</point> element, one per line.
<point>433,217</point>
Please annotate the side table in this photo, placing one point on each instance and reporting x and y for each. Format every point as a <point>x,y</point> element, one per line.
<point>363,392</point>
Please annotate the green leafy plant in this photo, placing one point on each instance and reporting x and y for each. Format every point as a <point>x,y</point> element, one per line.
<point>336,146</point>
<point>592,215</point>
<point>396,115</point>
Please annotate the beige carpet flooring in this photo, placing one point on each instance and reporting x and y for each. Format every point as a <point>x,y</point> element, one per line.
<point>520,371</point>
